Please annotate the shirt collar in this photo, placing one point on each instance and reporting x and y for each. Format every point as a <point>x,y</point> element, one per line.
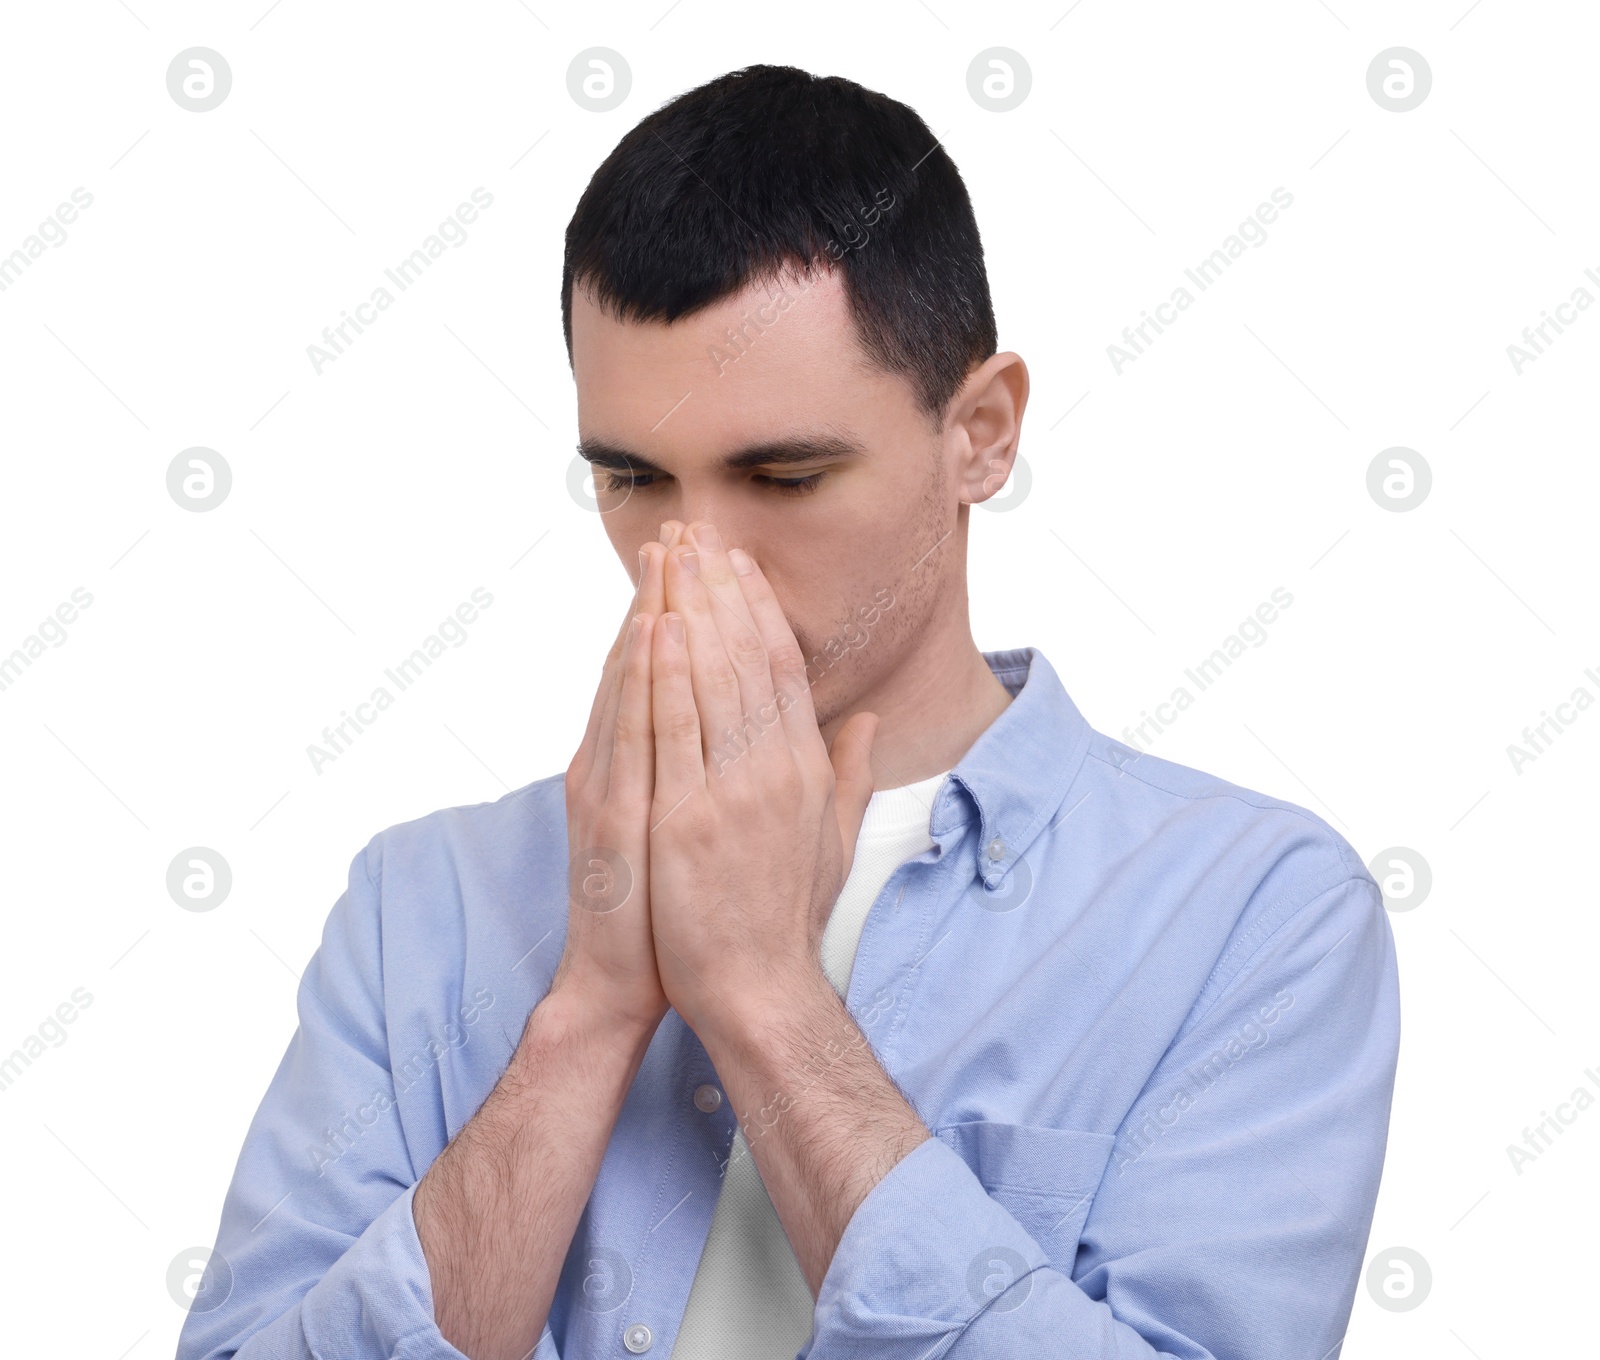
<point>1016,775</point>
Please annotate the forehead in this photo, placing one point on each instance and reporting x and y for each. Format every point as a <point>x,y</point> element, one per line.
<point>755,363</point>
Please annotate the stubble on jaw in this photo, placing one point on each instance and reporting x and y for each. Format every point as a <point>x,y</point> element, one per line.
<point>837,686</point>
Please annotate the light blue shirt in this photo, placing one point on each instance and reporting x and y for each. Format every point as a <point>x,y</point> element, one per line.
<point>1151,1018</point>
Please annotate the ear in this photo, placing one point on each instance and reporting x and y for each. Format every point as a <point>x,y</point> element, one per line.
<point>986,418</point>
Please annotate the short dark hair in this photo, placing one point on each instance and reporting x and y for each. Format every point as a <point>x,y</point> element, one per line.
<point>770,166</point>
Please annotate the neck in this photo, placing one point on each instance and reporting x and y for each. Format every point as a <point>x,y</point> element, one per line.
<point>931,708</point>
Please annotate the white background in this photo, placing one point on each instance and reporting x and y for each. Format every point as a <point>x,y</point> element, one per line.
<point>1167,501</point>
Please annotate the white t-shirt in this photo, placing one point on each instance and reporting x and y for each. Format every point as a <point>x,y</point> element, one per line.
<point>749,1300</point>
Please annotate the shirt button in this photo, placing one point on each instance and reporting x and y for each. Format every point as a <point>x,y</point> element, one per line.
<point>997,848</point>
<point>706,1099</point>
<point>637,1338</point>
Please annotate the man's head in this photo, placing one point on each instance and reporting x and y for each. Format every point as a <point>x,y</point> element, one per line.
<point>778,277</point>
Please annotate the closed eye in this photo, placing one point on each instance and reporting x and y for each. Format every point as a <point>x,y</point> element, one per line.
<point>792,486</point>
<point>615,483</point>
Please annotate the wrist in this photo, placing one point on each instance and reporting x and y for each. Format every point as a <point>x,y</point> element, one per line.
<point>770,1027</point>
<point>602,1001</point>
<point>573,1014</point>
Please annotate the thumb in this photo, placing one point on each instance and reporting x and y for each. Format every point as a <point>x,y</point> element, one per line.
<point>851,756</point>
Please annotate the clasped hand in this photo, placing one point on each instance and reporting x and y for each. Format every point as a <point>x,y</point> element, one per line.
<point>710,828</point>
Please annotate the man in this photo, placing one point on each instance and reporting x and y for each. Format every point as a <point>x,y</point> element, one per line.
<point>850,996</point>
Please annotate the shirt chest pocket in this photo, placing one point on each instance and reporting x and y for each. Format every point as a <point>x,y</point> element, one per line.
<point>1044,1178</point>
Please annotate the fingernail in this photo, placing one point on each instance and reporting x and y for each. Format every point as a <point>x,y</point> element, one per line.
<point>674,626</point>
<point>706,537</point>
<point>691,562</point>
<point>742,565</point>
<point>666,533</point>
<point>644,563</point>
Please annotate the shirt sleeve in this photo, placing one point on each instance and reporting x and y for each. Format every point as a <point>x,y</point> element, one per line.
<point>1233,1213</point>
<point>317,1253</point>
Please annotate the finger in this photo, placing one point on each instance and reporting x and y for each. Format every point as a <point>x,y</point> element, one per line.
<point>652,590</point>
<point>717,575</point>
<point>680,770</point>
<point>633,742</point>
<point>730,612</point>
<point>671,532</point>
<point>610,677</point>
<point>791,685</point>
<point>649,585</point>
<point>593,754</point>
<point>717,685</point>
<point>589,755</point>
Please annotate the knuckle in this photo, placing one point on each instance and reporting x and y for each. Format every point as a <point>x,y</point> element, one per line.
<point>791,784</point>
<point>683,725</point>
<point>788,662</point>
<point>701,823</point>
<point>740,797</point>
<point>748,651</point>
<point>724,682</point>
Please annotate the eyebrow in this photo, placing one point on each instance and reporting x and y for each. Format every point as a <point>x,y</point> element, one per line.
<point>770,453</point>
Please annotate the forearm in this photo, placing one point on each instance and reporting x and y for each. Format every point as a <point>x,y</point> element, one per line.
<point>823,1120</point>
<point>496,1211</point>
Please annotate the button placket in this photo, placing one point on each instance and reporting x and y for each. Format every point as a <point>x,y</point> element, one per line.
<point>995,853</point>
